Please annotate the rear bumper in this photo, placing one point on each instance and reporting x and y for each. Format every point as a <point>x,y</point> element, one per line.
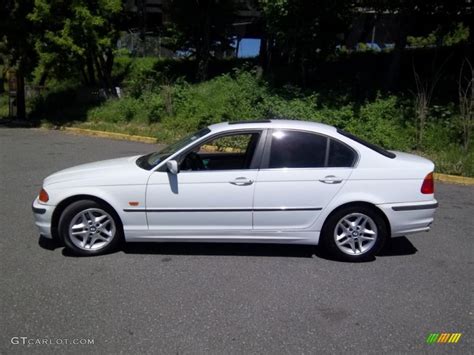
<point>43,215</point>
<point>408,218</point>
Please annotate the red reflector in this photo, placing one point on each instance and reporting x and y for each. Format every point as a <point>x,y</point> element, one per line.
<point>428,185</point>
<point>43,196</point>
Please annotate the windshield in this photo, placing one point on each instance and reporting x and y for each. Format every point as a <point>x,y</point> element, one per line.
<point>151,160</point>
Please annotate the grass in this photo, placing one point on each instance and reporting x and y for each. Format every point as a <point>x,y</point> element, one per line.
<point>3,105</point>
<point>167,109</point>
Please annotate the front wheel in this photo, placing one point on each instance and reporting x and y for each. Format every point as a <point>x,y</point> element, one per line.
<point>354,233</point>
<point>89,228</point>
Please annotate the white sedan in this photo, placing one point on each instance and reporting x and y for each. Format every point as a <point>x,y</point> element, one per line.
<point>269,181</point>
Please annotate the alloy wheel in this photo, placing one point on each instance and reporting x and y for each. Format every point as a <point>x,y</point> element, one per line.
<point>355,234</point>
<point>92,229</point>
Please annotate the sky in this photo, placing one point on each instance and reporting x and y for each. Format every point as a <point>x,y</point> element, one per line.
<point>249,47</point>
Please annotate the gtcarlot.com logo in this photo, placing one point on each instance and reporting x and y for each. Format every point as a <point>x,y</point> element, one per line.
<point>51,341</point>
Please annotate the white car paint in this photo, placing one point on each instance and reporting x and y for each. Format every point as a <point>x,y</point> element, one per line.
<point>286,205</point>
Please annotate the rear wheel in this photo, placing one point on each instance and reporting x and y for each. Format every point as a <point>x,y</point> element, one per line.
<point>354,233</point>
<point>90,228</point>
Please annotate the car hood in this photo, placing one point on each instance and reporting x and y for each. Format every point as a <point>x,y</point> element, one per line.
<point>110,170</point>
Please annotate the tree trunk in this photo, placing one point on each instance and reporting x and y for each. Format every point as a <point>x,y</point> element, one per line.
<point>393,74</point>
<point>2,81</point>
<point>90,71</point>
<point>109,62</point>
<point>262,52</point>
<point>20,96</point>
<point>265,53</point>
<point>85,79</point>
<point>302,67</point>
<point>104,69</point>
<point>202,52</point>
<point>99,70</point>
<point>44,76</point>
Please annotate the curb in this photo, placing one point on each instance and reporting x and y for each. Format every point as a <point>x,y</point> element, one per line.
<point>112,135</point>
<point>452,179</point>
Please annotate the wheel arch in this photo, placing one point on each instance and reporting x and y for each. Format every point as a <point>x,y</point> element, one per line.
<point>71,199</point>
<point>366,204</point>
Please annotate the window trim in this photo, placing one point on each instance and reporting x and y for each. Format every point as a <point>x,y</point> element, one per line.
<point>266,153</point>
<point>256,159</point>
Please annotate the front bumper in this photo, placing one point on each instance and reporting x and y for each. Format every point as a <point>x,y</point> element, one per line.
<point>43,215</point>
<point>408,218</point>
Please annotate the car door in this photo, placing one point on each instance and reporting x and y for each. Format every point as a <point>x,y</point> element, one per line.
<point>213,190</point>
<point>301,173</point>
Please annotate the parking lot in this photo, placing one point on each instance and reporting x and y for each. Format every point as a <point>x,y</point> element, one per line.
<point>222,298</point>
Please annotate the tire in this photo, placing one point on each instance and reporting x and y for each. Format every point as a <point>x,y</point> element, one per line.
<point>90,228</point>
<point>354,233</point>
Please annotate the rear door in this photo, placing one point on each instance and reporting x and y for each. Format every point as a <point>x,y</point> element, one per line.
<point>301,173</point>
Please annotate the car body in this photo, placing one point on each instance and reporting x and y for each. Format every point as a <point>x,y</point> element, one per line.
<point>275,181</point>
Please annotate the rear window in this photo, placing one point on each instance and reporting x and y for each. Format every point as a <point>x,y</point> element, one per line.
<point>298,149</point>
<point>294,149</point>
<point>372,146</point>
<point>340,155</point>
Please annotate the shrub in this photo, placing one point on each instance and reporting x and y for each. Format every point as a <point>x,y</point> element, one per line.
<point>152,104</point>
<point>381,122</point>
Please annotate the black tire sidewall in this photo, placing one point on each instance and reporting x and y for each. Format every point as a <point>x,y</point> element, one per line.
<point>78,206</point>
<point>329,243</point>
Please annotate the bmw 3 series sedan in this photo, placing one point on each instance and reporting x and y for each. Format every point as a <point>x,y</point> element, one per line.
<point>268,181</point>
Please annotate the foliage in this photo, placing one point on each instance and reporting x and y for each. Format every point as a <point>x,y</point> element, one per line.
<point>3,106</point>
<point>16,45</point>
<point>458,34</point>
<point>466,100</point>
<point>16,49</point>
<point>304,30</point>
<point>382,122</point>
<point>171,110</point>
<point>77,37</point>
<point>200,27</point>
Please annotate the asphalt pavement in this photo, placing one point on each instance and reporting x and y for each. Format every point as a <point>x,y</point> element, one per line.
<point>220,298</point>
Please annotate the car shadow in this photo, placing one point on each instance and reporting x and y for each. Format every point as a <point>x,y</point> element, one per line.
<point>398,246</point>
<point>49,244</point>
<point>395,247</point>
<point>223,249</point>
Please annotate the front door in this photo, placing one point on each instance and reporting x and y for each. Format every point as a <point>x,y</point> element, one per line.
<point>212,192</point>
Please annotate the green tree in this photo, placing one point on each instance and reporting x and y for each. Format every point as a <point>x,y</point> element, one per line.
<point>434,20</point>
<point>77,37</point>
<point>16,49</point>
<point>302,31</point>
<point>200,27</point>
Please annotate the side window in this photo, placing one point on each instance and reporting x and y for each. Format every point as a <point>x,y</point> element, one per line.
<point>293,149</point>
<point>229,152</point>
<point>340,155</point>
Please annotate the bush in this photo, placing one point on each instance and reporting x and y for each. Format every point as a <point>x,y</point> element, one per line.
<point>4,105</point>
<point>156,103</point>
<point>381,122</point>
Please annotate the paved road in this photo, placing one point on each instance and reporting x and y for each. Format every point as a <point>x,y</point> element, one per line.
<point>194,298</point>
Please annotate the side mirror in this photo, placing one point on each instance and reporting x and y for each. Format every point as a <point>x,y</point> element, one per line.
<point>172,166</point>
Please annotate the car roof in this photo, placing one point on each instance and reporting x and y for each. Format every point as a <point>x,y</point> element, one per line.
<point>275,124</point>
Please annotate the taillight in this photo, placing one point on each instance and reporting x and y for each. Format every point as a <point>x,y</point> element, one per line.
<point>428,185</point>
<point>43,196</point>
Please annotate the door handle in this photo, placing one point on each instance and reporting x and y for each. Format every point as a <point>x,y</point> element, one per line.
<point>241,181</point>
<point>331,179</point>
